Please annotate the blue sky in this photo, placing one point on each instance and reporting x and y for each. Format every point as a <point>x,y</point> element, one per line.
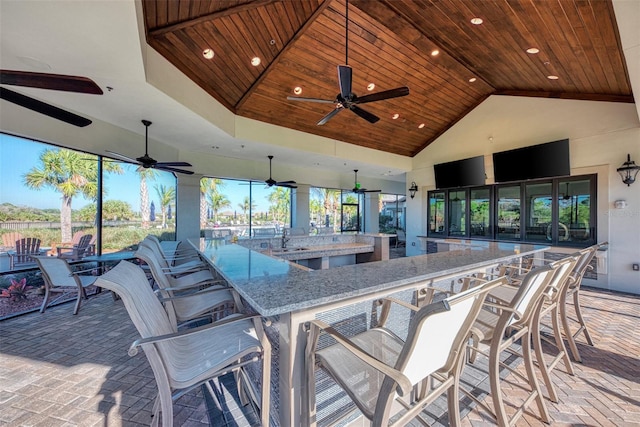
<point>18,156</point>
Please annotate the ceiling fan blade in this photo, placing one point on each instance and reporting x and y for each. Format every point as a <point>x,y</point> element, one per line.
<point>371,191</point>
<point>123,157</point>
<point>322,101</point>
<point>285,182</point>
<point>43,108</point>
<point>386,94</point>
<point>170,169</point>
<point>50,81</point>
<point>281,184</point>
<point>344,78</point>
<point>170,164</point>
<point>328,117</point>
<point>371,118</point>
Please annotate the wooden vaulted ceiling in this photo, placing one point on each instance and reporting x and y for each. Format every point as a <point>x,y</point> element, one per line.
<point>301,42</point>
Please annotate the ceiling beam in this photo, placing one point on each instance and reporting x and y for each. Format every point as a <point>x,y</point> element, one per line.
<point>568,95</point>
<point>284,50</point>
<point>208,17</point>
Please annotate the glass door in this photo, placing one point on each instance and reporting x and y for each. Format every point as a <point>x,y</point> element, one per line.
<point>508,210</point>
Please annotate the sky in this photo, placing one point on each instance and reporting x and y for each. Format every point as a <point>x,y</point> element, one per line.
<point>18,156</point>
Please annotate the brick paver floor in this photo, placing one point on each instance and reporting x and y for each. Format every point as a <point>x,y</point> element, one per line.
<point>57,369</point>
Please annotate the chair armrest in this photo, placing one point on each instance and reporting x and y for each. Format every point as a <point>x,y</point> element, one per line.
<point>404,385</point>
<point>189,295</point>
<point>133,348</point>
<point>401,303</point>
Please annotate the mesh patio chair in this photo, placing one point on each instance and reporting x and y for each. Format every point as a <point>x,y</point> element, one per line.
<point>190,299</point>
<point>501,325</point>
<point>378,370</point>
<point>77,251</point>
<point>183,360</point>
<point>174,262</point>
<point>573,291</point>
<point>59,278</point>
<point>25,249</point>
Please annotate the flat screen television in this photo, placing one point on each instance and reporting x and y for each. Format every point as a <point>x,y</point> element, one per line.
<point>460,173</point>
<point>533,162</point>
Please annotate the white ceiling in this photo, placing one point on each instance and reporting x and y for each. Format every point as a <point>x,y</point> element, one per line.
<point>104,40</point>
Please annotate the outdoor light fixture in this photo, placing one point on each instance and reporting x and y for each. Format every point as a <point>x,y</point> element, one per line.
<point>413,189</point>
<point>628,171</point>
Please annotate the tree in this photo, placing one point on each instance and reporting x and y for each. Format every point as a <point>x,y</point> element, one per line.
<point>71,174</point>
<point>246,205</point>
<point>217,201</point>
<point>112,210</point>
<point>206,186</point>
<point>166,195</point>
<point>145,209</point>
<point>280,204</point>
<point>330,200</point>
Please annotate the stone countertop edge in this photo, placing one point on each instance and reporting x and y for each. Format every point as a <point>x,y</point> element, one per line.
<point>273,294</point>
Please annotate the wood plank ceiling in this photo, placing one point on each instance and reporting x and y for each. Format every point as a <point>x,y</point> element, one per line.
<point>391,43</point>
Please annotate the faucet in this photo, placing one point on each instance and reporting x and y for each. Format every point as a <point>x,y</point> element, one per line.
<point>285,239</point>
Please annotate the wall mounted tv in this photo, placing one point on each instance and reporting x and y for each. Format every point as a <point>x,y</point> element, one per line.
<point>461,173</point>
<point>536,161</point>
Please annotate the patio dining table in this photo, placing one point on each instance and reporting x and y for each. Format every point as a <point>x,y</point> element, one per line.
<point>291,296</point>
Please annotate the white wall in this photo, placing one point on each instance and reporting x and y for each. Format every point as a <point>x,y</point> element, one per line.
<point>600,134</point>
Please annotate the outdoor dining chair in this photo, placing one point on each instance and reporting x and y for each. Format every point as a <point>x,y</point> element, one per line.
<point>59,279</point>
<point>503,324</point>
<point>183,360</point>
<point>25,249</point>
<point>378,370</point>
<point>9,239</point>
<point>214,299</point>
<point>77,251</point>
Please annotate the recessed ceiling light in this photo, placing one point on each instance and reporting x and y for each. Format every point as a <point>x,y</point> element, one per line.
<point>371,86</point>
<point>395,116</point>
<point>552,77</point>
<point>255,61</point>
<point>421,125</point>
<point>533,50</point>
<point>476,21</point>
<point>207,53</point>
<point>297,90</point>
<point>435,52</point>
<point>472,79</point>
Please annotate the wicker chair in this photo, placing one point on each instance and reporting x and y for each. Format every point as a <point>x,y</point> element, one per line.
<point>376,367</point>
<point>183,360</point>
<point>59,278</point>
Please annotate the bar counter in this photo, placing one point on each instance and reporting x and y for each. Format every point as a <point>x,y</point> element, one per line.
<point>291,296</point>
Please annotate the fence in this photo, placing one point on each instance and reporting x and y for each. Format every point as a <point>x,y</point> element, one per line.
<point>25,225</point>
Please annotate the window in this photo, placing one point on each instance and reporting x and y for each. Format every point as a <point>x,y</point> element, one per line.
<point>551,211</point>
<point>324,208</point>
<point>392,213</point>
<point>243,208</point>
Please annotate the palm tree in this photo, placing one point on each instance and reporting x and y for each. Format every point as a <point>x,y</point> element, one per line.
<point>217,202</point>
<point>330,200</point>
<point>71,174</point>
<point>246,205</point>
<point>145,174</point>
<point>166,195</point>
<point>207,185</point>
<point>280,204</point>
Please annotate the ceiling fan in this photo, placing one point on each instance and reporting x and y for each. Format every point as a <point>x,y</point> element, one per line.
<point>60,82</point>
<point>147,162</point>
<point>356,188</point>
<point>271,182</point>
<point>347,99</point>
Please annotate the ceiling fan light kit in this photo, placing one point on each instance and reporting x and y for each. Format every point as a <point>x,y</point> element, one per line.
<point>346,99</point>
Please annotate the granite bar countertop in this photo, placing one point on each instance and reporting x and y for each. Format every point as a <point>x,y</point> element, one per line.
<point>273,287</point>
<point>319,251</point>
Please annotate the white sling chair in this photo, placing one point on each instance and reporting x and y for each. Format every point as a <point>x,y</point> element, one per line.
<point>376,367</point>
<point>184,360</point>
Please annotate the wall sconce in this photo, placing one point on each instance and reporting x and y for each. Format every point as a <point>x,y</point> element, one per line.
<point>628,171</point>
<point>414,188</point>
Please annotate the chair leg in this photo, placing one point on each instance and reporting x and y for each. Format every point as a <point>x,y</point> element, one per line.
<point>78,300</point>
<point>557,333</point>
<point>583,325</point>
<point>266,386</point>
<point>542,364</point>
<point>45,302</point>
<point>453,395</point>
<point>533,381</point>
<point>567,331</point>
<point>496,389</point>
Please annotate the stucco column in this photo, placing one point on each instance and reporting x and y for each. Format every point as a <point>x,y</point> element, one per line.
<point>371,213</point>
<point>300,216</point>
<point>188,207</point>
